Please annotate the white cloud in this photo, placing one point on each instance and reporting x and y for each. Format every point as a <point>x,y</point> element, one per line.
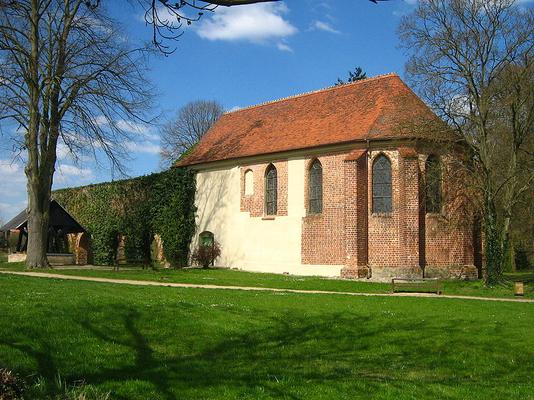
<point>254,23</point>
<point>62,151</point>
<point>73,175</point>
<point>101,120</point>
<point>9,210</point>
<point>142,147</point>
<point>11,172</point>
<point>133,127</point>
<point>459,106</point>
<point>13,189</point>
<point>324,26</point>
<point>284,47</point>
<point>126,126</point>
<point>235,108</point>
<point>152,136</point>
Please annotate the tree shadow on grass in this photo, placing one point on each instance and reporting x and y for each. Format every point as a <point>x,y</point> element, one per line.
<point>283,355</point>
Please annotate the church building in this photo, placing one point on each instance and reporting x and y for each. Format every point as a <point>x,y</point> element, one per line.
<point>344,181</point>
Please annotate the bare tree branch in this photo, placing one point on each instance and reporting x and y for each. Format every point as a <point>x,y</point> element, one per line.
<point>471,61</point>
<point>67,76</point>
<point>184,131</point>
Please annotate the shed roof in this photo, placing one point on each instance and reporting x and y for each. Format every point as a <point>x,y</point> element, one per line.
<point>59,219</point>
<point>376,108</point>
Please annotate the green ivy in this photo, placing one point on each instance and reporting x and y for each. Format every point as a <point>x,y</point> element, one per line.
<point>138,208</point>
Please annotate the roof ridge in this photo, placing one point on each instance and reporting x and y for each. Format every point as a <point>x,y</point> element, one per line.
<point>325,89</point>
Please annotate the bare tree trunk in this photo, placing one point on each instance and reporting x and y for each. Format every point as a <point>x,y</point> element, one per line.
<point>494,250</point>
<point>38,219</point>
<point>64,69</point>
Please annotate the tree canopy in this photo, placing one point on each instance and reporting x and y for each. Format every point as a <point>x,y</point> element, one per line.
<point>187,127</point>
<point>356,75</point>
<point>472,61</point>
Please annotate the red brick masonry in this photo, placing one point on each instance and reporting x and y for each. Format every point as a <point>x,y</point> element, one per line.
<point>346,232</point>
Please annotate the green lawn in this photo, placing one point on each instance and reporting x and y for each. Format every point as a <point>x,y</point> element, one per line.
<point>168,343</point>
<point>229,277</point>
<point>242,278</point>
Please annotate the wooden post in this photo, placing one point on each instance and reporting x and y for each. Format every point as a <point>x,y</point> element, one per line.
<point>519,289</point>
<point>8,234</point>
<point>19,242</point>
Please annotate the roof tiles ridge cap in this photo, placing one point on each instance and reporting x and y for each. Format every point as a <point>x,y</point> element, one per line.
<point>325,89</point>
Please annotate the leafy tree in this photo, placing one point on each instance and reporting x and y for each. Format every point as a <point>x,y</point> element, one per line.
<point>357,75</point>
<point>184,131</point>
<point>471,61</point>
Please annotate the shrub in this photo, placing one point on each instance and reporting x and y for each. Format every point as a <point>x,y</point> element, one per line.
<point>204,255</point>
<point>81,391</point>
<point>521,260</point>
<point>60,389</point>
<point>3,241</point>
<point>10,385</point>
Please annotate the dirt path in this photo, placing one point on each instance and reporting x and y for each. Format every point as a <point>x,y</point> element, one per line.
<point>252,288</point>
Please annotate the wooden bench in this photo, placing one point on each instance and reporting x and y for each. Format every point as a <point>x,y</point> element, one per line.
<point>416,285</point>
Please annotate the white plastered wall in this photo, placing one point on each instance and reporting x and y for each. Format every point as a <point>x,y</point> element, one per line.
<point>253,243</point>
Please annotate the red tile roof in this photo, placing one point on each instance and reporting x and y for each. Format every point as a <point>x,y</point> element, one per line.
<point>373,108</point>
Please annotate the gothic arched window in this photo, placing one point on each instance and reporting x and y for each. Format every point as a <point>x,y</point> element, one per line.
<point>271,190</point>
<point>382,185</point>
<point>315,188</point>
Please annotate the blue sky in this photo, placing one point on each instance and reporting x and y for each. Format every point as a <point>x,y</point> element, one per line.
<point>239,56</point>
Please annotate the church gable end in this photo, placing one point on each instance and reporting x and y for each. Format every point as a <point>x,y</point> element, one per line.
<point>331,183</point>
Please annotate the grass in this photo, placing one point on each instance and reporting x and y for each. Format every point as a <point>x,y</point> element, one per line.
<point>227,277</point>
<point>168,343</point>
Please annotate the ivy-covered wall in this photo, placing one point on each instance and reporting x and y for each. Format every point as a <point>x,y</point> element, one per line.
<point>138,208</point>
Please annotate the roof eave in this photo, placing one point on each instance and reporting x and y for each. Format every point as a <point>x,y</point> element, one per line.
<point>299,152</point>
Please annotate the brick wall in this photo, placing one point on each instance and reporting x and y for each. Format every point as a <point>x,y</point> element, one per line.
<point>323,234</point>
<point>448,235</point>
<point>255,203</point>
<point>356,217</point>
<point>347,232</point>
<point>409,209</point>
<point>383,229</point>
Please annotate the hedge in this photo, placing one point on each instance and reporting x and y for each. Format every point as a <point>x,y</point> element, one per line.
<point>138,208</point>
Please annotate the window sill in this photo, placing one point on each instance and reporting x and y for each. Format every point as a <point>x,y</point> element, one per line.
<point>268,218</point>
<point>382,215</point>
<point>313,215</point>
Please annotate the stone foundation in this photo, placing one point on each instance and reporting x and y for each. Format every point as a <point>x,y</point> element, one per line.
<point>61,259</point>
<point>356,272</point>
<point>466,272</point>
<point>385,274</point>
<point>53,259</point>
<point>16,257</point>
